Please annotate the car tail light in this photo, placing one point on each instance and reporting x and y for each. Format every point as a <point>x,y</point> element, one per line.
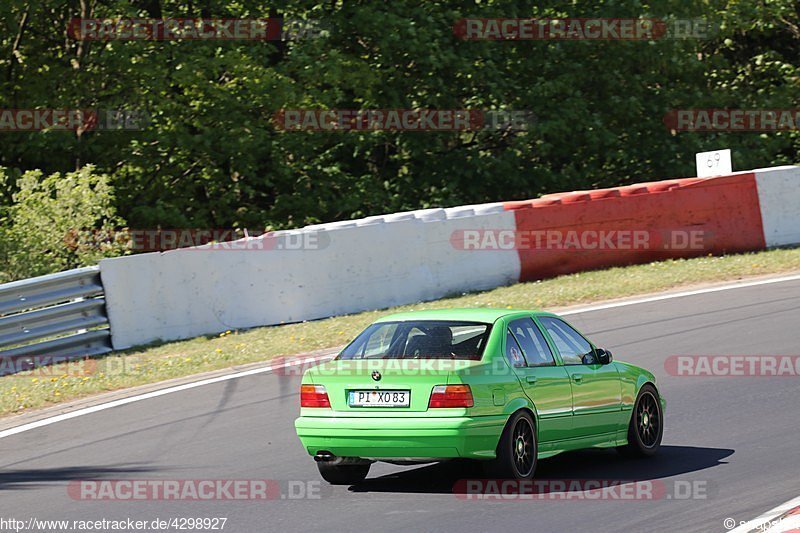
<point>451,396</point>
<point>314,396</point>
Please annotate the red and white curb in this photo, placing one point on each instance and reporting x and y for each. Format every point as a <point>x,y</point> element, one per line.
<point>783,519</point>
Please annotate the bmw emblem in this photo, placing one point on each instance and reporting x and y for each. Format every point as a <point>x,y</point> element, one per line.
<point>376,375</point>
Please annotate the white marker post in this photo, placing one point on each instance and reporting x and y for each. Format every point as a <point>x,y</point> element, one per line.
<point>716,163</point>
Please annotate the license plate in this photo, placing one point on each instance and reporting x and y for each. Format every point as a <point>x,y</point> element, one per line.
<point>380,398</point>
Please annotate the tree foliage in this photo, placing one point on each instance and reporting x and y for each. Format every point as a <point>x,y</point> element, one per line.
<point>51,223</point>
<point>211,156</point>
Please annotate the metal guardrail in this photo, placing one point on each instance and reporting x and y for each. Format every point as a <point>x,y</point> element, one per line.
<point>61,315</point>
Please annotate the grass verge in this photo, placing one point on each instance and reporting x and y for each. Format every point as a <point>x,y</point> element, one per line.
<point>59,383</point>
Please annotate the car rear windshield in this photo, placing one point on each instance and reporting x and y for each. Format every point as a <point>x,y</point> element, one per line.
<point>421,339</point>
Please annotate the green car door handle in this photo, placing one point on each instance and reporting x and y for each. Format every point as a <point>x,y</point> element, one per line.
<point>577,377</point>
<point>530,379</point>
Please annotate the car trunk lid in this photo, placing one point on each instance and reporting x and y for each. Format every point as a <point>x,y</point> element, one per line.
<point>417,376</point>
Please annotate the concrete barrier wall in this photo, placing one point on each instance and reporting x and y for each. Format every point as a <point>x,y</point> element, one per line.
<point>341,268</point>
<point>675,218</point>
<point>378,262</point>
<point>779,202</point>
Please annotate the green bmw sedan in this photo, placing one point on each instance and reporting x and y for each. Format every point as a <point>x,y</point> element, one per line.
<point>503,387</point>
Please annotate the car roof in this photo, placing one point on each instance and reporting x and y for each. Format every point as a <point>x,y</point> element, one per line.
<point>481,314</point>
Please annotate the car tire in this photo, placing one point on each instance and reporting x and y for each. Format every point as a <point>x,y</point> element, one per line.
<point>517,450</point>
<point>343,474</point>
<point>646,426</point>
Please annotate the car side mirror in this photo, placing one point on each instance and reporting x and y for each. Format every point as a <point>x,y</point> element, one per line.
<point>603,356</point>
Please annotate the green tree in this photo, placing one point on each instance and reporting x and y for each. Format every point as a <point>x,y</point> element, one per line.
<point>58,222</point>
<point>211,156</point>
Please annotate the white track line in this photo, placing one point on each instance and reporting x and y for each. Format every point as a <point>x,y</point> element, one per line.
<point>154,394</point>
<point>123,401</point>
<point>672,295</point>
<point>761,524</point>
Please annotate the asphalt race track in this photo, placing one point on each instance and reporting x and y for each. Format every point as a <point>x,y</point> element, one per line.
<point>734,438</point>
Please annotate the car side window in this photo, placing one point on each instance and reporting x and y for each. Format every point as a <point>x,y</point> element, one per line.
<point>570,344</point>
<point>531,340</point>
<point>513,351</point>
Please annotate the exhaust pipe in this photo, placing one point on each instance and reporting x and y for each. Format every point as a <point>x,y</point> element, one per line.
<point>324,457</point>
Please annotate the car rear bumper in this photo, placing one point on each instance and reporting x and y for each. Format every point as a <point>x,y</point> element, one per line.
<point>402,438</point>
